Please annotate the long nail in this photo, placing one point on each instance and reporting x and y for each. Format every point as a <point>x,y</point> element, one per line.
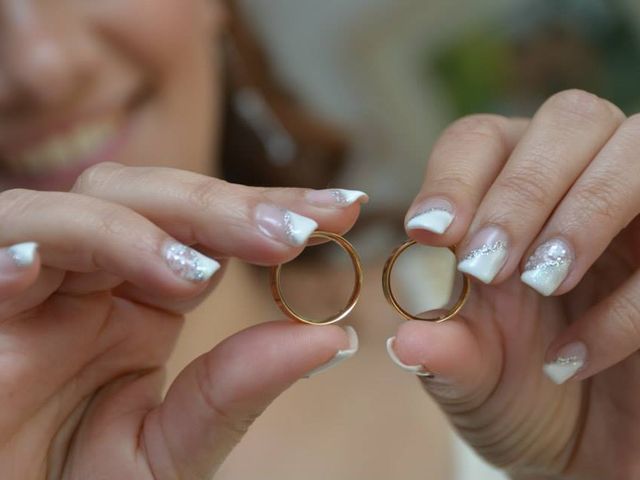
<point>569,360</point>
<point>336,198</point>
<point>340,356</point>
<point>188,263</point>
<point>415,369</point>
<point>549,265</point>
<point>486,254</point>
<point>284,225</point>
<point>434,215</point>
<point>18,256</point>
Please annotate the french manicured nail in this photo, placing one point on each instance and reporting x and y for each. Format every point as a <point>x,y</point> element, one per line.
<point>549,265</point>
<point>569,360</point>
<point>415,369</point>
<point>18,256</point>
<point>340,356</point>
<point>189,263</point>
<point>284,225</point>
<point>336,198</point>
<point>435,215</point>
<point>486,254</point>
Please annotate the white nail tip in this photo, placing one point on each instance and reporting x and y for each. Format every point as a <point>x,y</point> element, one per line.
<point>436,221</point>
<point>298,228</point>
<point>24,254</point>
<point>547,268</point>
<point>484,263</point>
<point>349,197</point>
<point>559,373</point>
<point>569,361</point>
<point>415,369</point>
<point>189,263</point>
<point>546,280</point>
<point>341,355</point>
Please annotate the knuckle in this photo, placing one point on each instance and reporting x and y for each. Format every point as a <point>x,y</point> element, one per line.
<point>624,312</point>
<point>236,425</point>
<point>600,199</point>
<point>526,187</point>
<point>113,221</point>
<point>94,177</point>
<point>626,141</point>
<point>476,128</point>
<point>633,122</point>
<point>456,181</point>
<point>576,103</point>
<point>204,194</point>
<point>630,130</point>
<point>16,201</point>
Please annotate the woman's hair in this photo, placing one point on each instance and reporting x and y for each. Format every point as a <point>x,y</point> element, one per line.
<point>270,139</point>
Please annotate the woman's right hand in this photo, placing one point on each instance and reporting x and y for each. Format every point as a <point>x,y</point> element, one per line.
<point>88,320</point>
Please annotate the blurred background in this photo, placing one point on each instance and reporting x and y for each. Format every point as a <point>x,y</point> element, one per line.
<point>353,93</point>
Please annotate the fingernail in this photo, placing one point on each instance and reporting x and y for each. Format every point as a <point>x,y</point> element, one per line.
<point>570,359</point>
<point>188,263</point>
<point>18,256</point>
<point>284,225</point>
<point>415,369</point>
<point>340,356</point>
<point>336,198</point>
<point>435,215</point>
<point>486,254</point>
<point>549,265</point>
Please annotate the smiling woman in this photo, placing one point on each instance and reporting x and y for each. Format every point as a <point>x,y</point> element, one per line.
<point>83,83</point>
<point>112,230</point>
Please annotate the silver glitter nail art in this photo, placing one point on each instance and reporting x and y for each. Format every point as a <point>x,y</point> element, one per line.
<point>289,229</point>
<point>190,264</point>
<point>484,250</point>
<point>433,209</point>
<point>574,361</point>
<point>340,197</point>
<point>551,254</point>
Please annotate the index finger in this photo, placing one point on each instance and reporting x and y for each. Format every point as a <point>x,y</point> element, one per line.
<point>464,163</point>
<point>258,225</point>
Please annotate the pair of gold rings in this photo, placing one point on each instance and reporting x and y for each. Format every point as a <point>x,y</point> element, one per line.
<point>278,295</point>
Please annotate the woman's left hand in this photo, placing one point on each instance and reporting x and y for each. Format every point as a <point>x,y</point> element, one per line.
<point>545,213</point>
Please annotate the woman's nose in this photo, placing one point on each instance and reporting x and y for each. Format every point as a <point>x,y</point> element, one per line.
<point>41,54</point>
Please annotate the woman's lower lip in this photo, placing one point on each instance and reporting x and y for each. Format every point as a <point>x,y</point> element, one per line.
<point>64,178</point>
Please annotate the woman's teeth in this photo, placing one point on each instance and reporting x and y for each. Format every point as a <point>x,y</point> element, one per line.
<point>62,150</point>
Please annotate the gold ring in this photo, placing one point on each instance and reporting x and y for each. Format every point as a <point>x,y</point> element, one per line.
<point>278,296</point>
<point>388,291</point>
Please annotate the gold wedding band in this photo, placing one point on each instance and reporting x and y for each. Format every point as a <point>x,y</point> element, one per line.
<point>391,298</point>
<point>282,303</point>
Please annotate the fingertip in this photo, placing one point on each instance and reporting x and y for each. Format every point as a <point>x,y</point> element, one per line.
<point>342,354</point>
<point>19,268</point>
<point>446,350</point>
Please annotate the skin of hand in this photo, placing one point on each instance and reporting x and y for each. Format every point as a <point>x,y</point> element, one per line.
<point>89,318</point>
<point>540,372</point>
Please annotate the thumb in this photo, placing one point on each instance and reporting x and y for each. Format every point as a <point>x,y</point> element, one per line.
<point>455,365</point>
<point>216,398</point>
<point>492,390</point>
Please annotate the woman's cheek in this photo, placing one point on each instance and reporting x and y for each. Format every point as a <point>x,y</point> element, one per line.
<point>159,33</point>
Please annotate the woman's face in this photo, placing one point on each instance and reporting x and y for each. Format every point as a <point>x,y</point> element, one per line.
<point>84,81</point>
